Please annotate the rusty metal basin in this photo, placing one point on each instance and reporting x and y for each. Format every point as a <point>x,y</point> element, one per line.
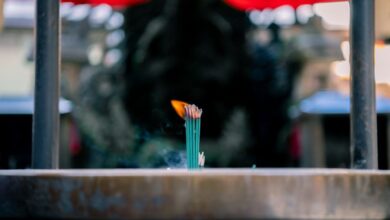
<point>207,193</point>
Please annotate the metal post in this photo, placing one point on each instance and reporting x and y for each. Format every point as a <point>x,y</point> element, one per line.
<point>363,109</point>
<point>47,65</point>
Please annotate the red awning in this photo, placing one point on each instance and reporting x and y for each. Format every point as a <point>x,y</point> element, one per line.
<point>239,4</point>
<point>262,4</point>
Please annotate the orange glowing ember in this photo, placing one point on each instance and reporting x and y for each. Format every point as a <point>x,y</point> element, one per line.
<point>179,107</point>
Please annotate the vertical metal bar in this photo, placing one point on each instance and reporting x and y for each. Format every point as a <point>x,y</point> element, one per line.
<point>47,65</point>
<point>363,108</point>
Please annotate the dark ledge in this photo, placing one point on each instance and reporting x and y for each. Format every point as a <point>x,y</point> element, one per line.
<point>208,193</point>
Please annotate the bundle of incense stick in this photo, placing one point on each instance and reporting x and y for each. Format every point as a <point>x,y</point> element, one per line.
<point>192,123</point>
<point>191,114</point>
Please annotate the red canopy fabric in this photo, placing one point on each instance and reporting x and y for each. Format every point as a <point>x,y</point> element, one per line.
<point>262,4</point>
<point>239,4</point>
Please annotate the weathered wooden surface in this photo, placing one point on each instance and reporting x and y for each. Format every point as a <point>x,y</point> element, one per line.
<point>208,193</point>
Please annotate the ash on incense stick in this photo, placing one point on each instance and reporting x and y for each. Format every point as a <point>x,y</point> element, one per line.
<point>192,116</point>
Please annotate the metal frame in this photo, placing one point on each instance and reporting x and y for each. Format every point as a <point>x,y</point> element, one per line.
<point>47,69</point>
<point>363,108</point>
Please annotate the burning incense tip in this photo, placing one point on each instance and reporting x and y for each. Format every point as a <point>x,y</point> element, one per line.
<point>193,112</point>
<point>184,109</point>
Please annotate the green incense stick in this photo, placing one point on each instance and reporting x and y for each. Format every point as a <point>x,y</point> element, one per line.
<point>195,143</point>
<point>189,143</point>
<point>192,143</point>
<point>195,140</point>
<point>187,124</point>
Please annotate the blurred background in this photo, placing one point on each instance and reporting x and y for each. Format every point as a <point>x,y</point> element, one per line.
<point>273,83</point>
